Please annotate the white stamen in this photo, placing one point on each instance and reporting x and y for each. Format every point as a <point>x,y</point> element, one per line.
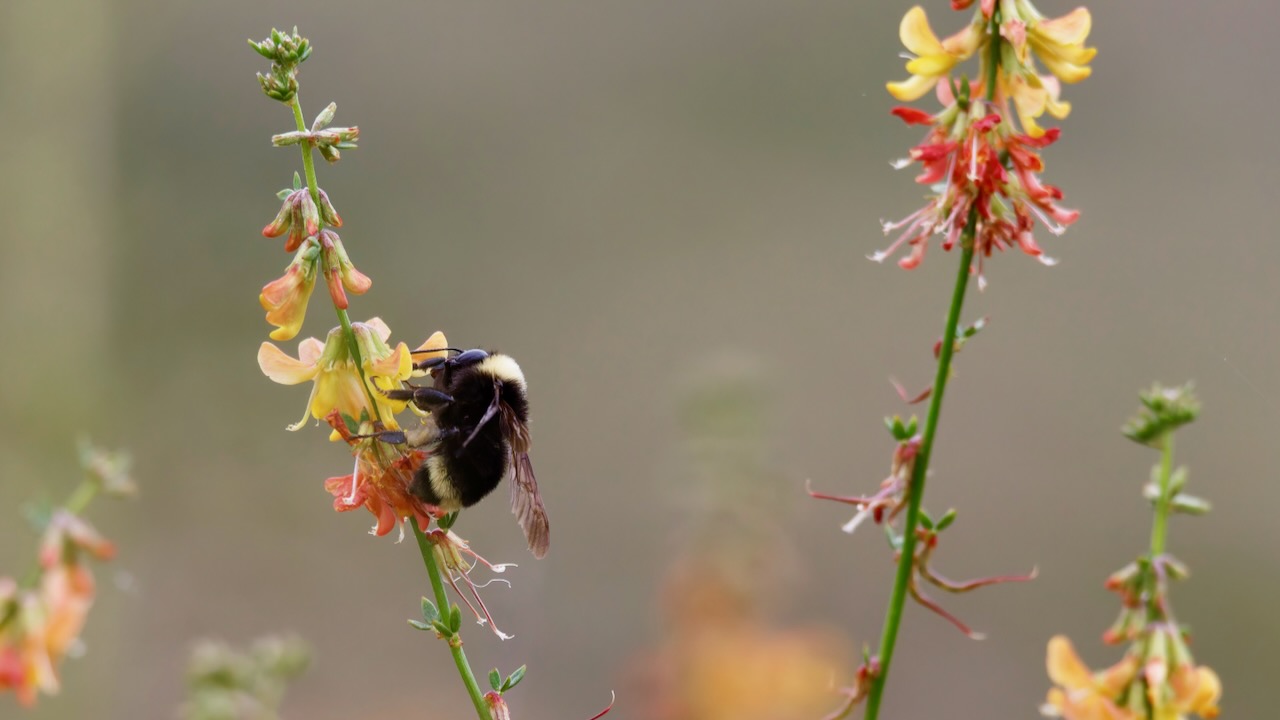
<point>878,256</point>
<point>982,282</point>
<point>491,581</point>
<point>900,163</point>
<point>853,524</point>
<point>355,475</point>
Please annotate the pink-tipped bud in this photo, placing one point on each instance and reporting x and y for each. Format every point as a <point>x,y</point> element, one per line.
<point>327,211</point>
<point>280,224</point>
<point>310,214</point>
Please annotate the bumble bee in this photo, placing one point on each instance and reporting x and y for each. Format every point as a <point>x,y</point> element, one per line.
<point>477,431</point>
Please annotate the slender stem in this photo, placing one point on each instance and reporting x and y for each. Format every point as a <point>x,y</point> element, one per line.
<point>915,491</point>
<point>442,602</point>
<point>1159,529</point>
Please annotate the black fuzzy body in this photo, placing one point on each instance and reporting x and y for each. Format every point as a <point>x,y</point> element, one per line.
<point>462,473</point>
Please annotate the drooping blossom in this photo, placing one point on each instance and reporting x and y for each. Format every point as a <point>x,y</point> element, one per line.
<point>285,298</point>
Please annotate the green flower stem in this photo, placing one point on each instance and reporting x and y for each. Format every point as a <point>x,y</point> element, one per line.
<point>915,491</point>
<point>442,603</point>
<point>313,187</point>
<point>919,472</point>
<point>1160,528</point>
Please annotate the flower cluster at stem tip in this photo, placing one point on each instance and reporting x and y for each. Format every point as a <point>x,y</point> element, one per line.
<point>980,156</point>
<point>1157,678</point>
<point>42,616</point>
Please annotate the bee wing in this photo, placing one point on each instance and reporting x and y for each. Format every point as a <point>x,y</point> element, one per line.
<point>527,505</point>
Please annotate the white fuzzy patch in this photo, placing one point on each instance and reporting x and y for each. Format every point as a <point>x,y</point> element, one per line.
<point>438,475</point>
<point>504,368</point>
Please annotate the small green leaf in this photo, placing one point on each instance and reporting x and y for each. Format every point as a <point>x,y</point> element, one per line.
<point>263,49</point>
<point>353,425</point>
<point>925,520</point>
<point>418,624</point>
<point>38,514</point>
<point>514,678</point>
<point>297,180</point>
<point>284,194</point>
<point>441,628</point>
<point>447,521</point>
<point>429,611</point>
<point>495,680</point>
<point>455,618</point>
<point>947,519</point>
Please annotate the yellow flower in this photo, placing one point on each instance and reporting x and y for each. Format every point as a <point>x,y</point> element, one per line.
<point>1032,95</point>
<point>1194,690</point>
<point>933,58</point>
<point>1083,695</point>
<point>332,367</point>
<point>1059,43</point>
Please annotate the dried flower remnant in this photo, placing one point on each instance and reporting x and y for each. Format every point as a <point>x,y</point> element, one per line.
<point>1157,679</point>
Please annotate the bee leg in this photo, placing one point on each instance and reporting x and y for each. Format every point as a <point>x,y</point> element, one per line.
<point>488,414</point>
<point>394,437</point>
<point>425,398</point>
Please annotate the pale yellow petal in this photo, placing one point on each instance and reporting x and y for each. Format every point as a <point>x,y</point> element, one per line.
<point>913,88</point>
<point>282,368</point>
<point>916,34</point>
<point>1208,690</point>
<point>433,347</point>
<point>379,327</point>
<point>931,64</point>
<point>1065,666</point>
<point>310,350</point>
<point>1070,29</point>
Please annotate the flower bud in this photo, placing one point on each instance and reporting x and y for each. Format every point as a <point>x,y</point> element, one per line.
<point>325,117</point>
<point>327,211</point>
<point>310,214</point>
<point>354,281</point>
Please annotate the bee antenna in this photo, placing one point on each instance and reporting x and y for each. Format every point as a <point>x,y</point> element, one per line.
<point>434,350</point>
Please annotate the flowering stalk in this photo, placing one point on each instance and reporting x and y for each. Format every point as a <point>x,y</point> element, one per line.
<point>981,162</point>
<point>356,363</point>
<point>1157,679</point>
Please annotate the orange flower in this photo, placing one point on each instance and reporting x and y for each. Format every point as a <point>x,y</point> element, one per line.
<point>285,298</point>
<point>380,483</point>
<point>1083,695</point>
<point>338,383</point>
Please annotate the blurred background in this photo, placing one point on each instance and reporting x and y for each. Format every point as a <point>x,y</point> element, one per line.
<point>661,209</point>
